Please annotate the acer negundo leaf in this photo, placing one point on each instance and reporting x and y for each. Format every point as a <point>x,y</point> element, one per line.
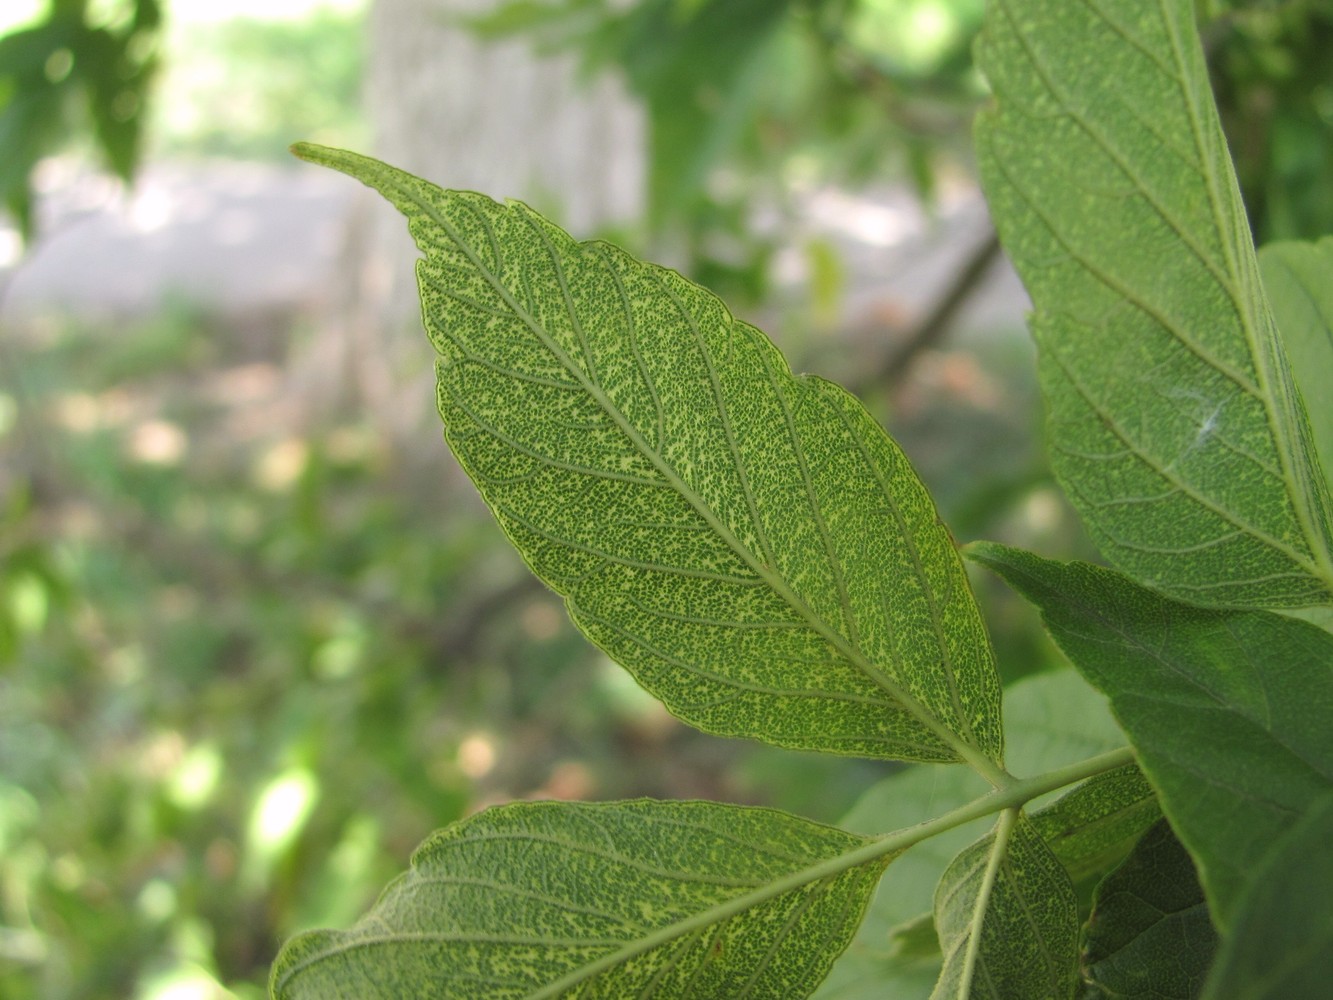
<point>747,542</point>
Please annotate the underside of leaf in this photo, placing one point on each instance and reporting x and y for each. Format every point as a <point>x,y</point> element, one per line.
<point>749,543</point>
<point>1007,920</point>
<point>659,900</point>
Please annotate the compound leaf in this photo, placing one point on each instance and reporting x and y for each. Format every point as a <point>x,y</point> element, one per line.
<point>1054,719</point>
<point>620,899</point>
<point>1007,920</point>
<point>748,543</point>
<point>1149,937</point>
<point>1174,423</point>
<point>1227,710</point>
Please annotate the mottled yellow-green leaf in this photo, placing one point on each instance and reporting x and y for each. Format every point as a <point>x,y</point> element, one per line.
<point>683,900</point>
<point>1007,919</point>
<point>1097,823</point>
<point>1173,419</point>
<point>748,543</point>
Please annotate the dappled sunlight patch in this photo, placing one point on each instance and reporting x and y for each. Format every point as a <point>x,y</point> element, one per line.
<point>341,654</point>
<point>244,384</point>
<point>9,412</point>
<point>161,755</point>
<point>158,442</point>
<point>279,815</point>
<point>476,756</point>
<point>185,982</point>
<point>542,620</point>
<point>353,445</point>
<point>29,603</point>
<point>569,781</point>
<point>157,900</point>
<point>68,872</point>
<point>193,781</point>
<point>126,664</point>
<point>282,465</point>
<point>77,412</point>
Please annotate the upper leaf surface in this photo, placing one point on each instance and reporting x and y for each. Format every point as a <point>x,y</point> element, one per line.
<point>1282,944</point>
<point>1228,710</point>
<point>1299,280</point>
<point>750,544</point>
<point>1174,423</point>
<point>1149,937</point>
<point>623,899</point>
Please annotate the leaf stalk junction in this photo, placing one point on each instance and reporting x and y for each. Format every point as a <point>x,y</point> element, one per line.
<point>1006,798</point>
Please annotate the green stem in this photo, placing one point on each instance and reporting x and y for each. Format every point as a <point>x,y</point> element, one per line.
<point>1012,796</point>
<point>1003,830</point>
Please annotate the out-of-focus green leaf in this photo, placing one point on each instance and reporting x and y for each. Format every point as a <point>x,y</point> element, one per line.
<point>749,544</point>
<point>1272,81</point>
<point>629,899</point>
<point>1228,710</point>
<point>1174,422</point>
<point>1149,937</point>
<point>1007,920</point>
<point>43,69</point>
<point>1281,947</point>
<point>699,73</point>
<point>1299,280</point>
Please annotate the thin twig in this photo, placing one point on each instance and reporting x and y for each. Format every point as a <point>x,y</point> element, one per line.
<point>937,322</point>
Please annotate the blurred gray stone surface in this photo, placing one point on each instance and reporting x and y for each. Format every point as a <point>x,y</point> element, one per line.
<point>239,239</point>
<point>225,237</point>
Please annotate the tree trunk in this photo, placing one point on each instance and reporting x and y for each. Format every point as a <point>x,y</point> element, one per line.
<point>490,117</point>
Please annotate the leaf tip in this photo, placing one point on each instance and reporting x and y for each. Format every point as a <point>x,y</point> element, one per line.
<point>980,551</point>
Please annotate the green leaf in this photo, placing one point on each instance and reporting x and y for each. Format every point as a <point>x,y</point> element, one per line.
<point>1149,937</point>
<point>1097,823</point>
<point>1174,423</point>
<point>1228,710</point>
<point>1007,919</point>
<point>1281,947</point>
<point>748,543</point>
<point>1299,280</point>
<point>1054,719</point>
<point>623,899</point>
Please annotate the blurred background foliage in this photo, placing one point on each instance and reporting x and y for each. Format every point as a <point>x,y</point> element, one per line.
<point>752,99</point>
<point>248,657</point>
<point>76,72</point>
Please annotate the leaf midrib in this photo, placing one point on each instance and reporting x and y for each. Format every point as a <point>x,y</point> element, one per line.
<point>1295,471</point>
<point>1223,279</point>
<point>1282,421</point>
<point>965,750</point>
